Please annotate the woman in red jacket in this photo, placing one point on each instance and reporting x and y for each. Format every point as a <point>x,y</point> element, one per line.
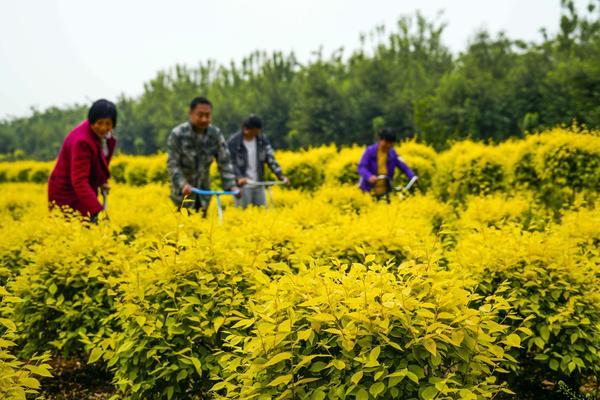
<point>82,164</point>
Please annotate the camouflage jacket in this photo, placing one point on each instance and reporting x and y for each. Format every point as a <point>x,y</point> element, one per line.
<point>264,153</point>
<point>189,155</point>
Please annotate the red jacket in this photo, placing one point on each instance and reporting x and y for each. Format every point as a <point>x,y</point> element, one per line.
<point>81,168</point>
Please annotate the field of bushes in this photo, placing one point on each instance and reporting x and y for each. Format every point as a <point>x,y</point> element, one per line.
<point>484,283</point>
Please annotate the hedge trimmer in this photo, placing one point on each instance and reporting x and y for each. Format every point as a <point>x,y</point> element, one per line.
<point>104,192</point>
<point>401,190</point>
<point>104,199</point>
<point>267,185</point>
<point>217,194</point>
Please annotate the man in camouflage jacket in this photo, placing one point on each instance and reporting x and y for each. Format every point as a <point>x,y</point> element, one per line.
<point>191,148</point>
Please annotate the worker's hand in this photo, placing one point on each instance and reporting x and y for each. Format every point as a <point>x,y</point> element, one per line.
<point>242,181</point>
<point>285,180</point>
<point>187,189</point>
<point>239,190</point>
<point>373,179</point>
<point>105,187</point>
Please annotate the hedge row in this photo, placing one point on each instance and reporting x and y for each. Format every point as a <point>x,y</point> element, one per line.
<point>412,300</point>
<point>556,164</point>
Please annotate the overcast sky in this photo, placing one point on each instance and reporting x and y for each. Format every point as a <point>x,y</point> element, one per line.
<point>60,52</point>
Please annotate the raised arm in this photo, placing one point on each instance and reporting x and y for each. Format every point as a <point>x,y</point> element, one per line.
<point>404,168</point>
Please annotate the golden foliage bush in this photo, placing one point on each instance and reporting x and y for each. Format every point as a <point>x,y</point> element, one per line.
<point>326,293</point>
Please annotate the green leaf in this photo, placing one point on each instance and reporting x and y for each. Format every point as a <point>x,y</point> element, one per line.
<point>318,395</point>
<point>362,395</point>
<point>318,366</point>
<point>356,377</point>
<point>305,360</point>
<point>374,354</point>
<point>182,375</point>
<point>197,365</point>
<point>545,333</point>
<point>554,364</point>
<point>466,394</point>
<point>396,377</point>
<point>412,376</point>
<point>430,346</point>
<point>95,355</point>
<point>428,393</point>
<point>377,388</point>
<point>52,289</point>
<point>125,347</point>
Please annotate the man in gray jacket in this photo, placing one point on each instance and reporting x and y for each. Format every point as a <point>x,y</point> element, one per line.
<point>191,148</point>
<point>250,151</point>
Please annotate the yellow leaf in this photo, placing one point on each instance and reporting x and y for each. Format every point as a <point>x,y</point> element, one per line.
<point>457,337</point>
<point>356,377</point>
<point>425,313</point>
<point>278,358</point>
<point>41,370</point>
<point>197,365</point>
<point>305,334</point>
<point>305,380</point>
<point>374,354</point>
<point>30,382</point>
<point>95,355</point>
<point>281,380</point>
<point>362,395</point>
<point>430,346</point>
<point>141,320</point>
<point>338,364</point>
<point>323,317</point>
<point>8,324</point>
<point>513,340</point>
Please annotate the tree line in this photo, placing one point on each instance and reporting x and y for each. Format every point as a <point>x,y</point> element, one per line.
<point>405,78</point>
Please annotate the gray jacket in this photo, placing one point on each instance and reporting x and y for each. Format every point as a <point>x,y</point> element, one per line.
<point>264,153</point>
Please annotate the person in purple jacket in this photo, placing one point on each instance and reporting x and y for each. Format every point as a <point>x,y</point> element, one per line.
<point>380,159</point>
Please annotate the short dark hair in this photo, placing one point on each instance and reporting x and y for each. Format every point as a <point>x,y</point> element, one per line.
<point>252,122</point>
<point>103,109</point>
<point>199,100</point>
<point>387,134</point>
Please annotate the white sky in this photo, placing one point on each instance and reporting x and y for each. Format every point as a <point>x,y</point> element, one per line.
<point>60,52</point>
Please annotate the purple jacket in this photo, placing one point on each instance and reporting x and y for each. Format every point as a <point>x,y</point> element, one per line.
<point>368,166</point>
